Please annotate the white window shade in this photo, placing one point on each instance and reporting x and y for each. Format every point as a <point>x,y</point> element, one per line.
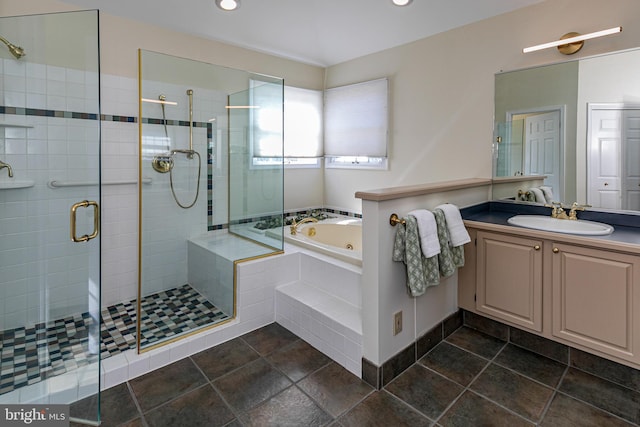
<point>302,122</point>
<point>356,119</point>
<point>265,112</point>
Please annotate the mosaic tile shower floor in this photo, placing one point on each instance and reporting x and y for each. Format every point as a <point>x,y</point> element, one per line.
<point>30,355</point>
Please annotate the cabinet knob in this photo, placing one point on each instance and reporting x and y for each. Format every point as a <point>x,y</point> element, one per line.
<point>556,250</point>
<point>536,247</point>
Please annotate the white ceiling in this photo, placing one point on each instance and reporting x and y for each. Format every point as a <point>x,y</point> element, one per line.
<point>319,32</point>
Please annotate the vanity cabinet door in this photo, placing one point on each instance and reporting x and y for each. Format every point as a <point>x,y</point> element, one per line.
<point>595,298</point>
<point>509,279</point>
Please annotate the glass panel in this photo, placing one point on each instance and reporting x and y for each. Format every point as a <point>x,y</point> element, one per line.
<point>188,187</point>
<point>50,149</point>
<point>508,148</point>
<point>256,194</point>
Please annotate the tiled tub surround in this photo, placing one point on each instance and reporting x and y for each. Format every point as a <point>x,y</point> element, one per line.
<point>324,306</point>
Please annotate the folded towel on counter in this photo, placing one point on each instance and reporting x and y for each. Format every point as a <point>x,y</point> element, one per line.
<point>428,232</point>
<point>450,257</point>
<point>538,195</point>
<point>421,272</point>
<point>547,192</point>
<point>458,235</point>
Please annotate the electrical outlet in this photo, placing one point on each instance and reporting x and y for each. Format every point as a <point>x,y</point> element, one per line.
<point>397,323</point>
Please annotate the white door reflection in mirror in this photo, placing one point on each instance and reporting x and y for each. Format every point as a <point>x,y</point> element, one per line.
<point>613,163</point>
<point>541,136</point>
<point>542,148</point>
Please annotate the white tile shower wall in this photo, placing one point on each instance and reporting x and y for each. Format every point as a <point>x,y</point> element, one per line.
<point>43,275</point>
<point>166,226</point>
<point>212,275</point>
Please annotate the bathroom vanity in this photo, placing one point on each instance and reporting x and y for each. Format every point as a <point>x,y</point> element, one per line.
<point>580,290</point>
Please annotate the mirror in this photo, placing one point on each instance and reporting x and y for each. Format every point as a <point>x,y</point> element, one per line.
<point>577,123</point>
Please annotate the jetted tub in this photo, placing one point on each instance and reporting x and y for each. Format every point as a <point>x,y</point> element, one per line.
<point>338,237</point>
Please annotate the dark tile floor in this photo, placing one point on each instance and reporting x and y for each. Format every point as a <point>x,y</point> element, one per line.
<point>269,377</point>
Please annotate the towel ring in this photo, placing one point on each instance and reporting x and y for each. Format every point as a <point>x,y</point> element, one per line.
<point>395,220</point>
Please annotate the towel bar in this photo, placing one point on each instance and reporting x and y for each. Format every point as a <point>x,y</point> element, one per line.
<point>395,220</point>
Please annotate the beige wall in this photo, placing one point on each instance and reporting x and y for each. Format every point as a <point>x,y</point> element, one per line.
<point>442,89</point>
<point>441,86</point>
<point>121,38</point>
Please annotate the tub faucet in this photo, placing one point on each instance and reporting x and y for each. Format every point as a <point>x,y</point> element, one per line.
<point>8,166</point>
<point>294,225</point>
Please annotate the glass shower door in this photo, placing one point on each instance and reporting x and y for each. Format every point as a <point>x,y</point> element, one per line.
<point>49,211</point>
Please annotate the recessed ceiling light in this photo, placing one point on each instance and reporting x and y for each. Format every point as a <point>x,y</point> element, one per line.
<point>228,4</point>
<point>401,2</point>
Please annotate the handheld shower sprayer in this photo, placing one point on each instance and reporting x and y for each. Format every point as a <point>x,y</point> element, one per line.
<point>16,51</point>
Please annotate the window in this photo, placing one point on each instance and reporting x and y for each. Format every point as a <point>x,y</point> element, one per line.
<point>302,130</point>
<point>355,125</point>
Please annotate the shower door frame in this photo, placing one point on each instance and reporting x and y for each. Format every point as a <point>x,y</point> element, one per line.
<point>59,210</point>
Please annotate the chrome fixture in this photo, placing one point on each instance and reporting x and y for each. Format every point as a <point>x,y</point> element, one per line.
<point>572,42</point>
<point>294,225</point>
<point>573,214</point>
<point>228,5</point>
<point>16,51</point>
<point>163,163</point>
<point>8,166</point>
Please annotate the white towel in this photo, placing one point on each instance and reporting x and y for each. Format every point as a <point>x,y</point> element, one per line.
<point>457,233</point>
<point>548,193</point>
<point>428,232</point>
<point>539,195</point>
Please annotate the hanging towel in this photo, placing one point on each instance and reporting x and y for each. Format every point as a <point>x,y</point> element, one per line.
<point>457,233</point>
<point>547,192</point>
<point>450,258</point>
<point>538,194</point>
<point>421,272</point>
<point>428,232</point>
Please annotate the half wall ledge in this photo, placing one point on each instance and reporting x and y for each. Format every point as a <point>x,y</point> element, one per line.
<point>421,189</point>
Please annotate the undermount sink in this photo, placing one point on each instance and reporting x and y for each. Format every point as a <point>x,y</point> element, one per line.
<point>546,223</point>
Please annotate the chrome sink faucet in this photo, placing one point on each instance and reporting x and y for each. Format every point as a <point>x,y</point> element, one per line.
<point>8,166</point>
<point>294,225</point>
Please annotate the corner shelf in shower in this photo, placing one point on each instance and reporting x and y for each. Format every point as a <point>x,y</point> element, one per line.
<point>17,183</point>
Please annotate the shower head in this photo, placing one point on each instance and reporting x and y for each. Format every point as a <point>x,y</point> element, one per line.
<point>16,51</point>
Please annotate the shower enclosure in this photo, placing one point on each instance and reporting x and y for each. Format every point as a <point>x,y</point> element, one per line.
<point>49,210</point>
<point>203,197</point>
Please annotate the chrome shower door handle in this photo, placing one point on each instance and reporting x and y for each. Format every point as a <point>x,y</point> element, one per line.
<point>96,221</point>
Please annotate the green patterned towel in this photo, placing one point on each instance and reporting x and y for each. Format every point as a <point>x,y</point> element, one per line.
<point>449,258</point>
<point>421,272</point>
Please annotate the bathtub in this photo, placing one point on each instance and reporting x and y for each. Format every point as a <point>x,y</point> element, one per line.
<point>338,237</point>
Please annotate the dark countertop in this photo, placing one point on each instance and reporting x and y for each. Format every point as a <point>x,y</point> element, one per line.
<point>626,224</point>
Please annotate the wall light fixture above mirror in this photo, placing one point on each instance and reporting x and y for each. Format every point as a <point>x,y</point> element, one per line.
<point>572,42</point>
